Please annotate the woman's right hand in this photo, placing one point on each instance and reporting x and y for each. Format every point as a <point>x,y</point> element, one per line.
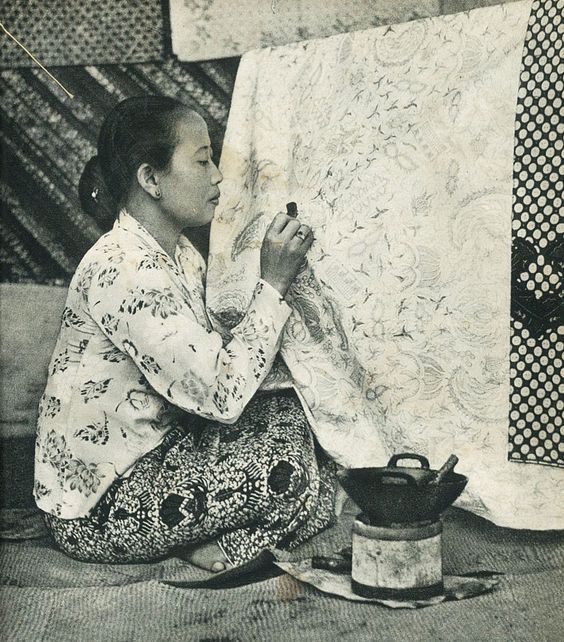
<point>284,247</point>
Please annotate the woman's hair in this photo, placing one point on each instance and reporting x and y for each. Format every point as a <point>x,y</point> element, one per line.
<point>137,130</point>
<point>94,196</point>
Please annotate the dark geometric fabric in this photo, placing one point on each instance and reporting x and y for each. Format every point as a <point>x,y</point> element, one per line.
<point>75,32</point>
<point>48,137</point>
<point>537,403</point>
<point>256,484</point>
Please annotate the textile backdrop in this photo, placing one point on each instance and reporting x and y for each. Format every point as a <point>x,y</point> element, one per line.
<point>537,253</point>
<point>203,29</point>
<point>74,32</point>
<point>48,137</point>
<point>397,145</point>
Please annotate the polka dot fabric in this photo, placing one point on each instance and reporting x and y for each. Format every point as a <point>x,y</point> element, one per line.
<point>537,400</point>
<point>75,32</point>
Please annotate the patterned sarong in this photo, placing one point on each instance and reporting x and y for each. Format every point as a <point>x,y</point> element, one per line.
<point>253,485</point>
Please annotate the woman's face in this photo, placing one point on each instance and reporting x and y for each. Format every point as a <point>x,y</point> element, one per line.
<point>189,186</point>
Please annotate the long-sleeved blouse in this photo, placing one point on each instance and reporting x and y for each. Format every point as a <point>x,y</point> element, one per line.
<point>136,352</point>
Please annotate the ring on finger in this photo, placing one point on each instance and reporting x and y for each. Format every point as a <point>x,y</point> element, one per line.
<point>302,233</point>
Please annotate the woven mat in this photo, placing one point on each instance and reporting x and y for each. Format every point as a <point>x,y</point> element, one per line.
<point>50,597</point>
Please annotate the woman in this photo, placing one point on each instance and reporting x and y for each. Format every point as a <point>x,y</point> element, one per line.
<point>151,434</point>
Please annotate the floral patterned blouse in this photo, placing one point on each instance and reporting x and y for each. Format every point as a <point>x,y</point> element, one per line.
<point>135,350</point>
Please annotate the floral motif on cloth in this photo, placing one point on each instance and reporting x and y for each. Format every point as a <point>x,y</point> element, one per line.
<point>135,353</point>
<point>397,145</point>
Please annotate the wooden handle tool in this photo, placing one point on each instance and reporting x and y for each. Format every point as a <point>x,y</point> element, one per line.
<point>445,469</point>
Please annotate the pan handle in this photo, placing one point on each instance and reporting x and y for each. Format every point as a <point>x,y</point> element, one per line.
<point>396,474</point>
<point>395,458</point>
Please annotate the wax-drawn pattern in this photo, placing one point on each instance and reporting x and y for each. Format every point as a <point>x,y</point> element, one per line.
<point>397,145</point>
<point>252,485</point>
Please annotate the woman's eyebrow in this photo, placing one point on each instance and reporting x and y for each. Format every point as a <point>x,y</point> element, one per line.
<point>204,148</point>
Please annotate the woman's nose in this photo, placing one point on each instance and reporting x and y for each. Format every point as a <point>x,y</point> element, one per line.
<point>217,175</point>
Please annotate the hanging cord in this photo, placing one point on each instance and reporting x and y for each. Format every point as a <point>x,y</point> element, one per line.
<point>36,61</point>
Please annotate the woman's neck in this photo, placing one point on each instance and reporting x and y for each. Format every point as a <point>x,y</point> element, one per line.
<point>155,221</point>
<point>200,239</point>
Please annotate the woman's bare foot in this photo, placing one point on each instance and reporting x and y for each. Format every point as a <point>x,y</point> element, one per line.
<point>207,556</point>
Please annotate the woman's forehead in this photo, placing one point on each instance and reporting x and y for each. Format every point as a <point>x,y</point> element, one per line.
<point>193,132</point>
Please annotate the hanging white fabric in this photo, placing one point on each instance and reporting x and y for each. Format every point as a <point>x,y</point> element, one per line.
<point>397,145</point>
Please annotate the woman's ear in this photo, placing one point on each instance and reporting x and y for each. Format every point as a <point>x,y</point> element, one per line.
<point>148,180</point>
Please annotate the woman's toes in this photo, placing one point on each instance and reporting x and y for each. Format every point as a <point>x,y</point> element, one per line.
<point>208,556</point>
<point>217,567</point>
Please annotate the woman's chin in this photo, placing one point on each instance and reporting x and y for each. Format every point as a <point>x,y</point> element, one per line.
<point>210,211</point>
<point>205,218</point>
<point>208,219</point>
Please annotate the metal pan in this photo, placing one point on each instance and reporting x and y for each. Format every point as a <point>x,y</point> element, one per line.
<point>401,494</point>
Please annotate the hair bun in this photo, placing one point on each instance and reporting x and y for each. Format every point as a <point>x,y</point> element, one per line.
<point>94,195</point>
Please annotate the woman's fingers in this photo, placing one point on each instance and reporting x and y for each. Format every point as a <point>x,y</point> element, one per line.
<point>279,222</point>
<point>304,244</point>
<point>302,238</point>
<point>292,226</point>
<point>303,232</point>
<point>283,251</point>
<point>288,227</point>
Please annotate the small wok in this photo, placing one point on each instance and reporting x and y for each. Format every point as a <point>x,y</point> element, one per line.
<point>401,494</point>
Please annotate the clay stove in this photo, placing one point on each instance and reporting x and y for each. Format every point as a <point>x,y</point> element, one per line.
<point>397,539</point>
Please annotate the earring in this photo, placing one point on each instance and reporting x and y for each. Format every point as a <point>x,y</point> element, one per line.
<point>157,193</point>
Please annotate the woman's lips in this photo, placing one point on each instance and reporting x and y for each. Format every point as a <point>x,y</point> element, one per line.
<point>215,199</point>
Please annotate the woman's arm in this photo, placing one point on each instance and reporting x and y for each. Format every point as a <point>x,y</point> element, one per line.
<point>146,314</point>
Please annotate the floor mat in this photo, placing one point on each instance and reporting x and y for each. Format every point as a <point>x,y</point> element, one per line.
<point>47,596</point>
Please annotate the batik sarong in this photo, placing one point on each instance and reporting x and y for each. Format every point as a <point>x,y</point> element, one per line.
<point>259,483</point>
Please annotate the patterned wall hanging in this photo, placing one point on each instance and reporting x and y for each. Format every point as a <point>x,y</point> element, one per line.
<point>537,406</point>
<point>74,32</point>
<point>204,29</point>
<point>48,137</point>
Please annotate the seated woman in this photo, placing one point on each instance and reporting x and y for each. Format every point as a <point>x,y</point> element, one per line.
<point>153,436</point>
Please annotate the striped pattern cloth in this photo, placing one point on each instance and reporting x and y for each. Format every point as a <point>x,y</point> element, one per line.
<point>48,137</point>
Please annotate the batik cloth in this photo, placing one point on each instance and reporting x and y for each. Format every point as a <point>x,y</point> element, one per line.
<point>536,433</point>
<point>82,33</point>
<point>253,485</point>
<point>397,145</point>
<point>48,138</point>
<point>135,352</point>
<point>211,29</point>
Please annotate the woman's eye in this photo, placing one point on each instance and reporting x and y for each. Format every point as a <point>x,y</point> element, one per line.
<point>204,162</point>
